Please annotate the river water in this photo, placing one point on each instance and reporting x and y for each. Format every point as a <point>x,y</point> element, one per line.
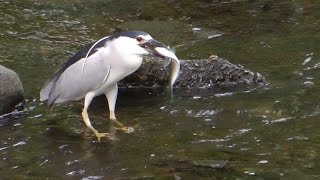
<point>267,133</point>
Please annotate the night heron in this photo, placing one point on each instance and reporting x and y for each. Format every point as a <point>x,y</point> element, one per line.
<point>98,67</point>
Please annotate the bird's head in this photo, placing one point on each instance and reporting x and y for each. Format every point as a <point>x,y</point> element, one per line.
<point>143,44</point>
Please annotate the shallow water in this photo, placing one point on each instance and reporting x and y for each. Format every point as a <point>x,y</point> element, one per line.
<point>256,134</point>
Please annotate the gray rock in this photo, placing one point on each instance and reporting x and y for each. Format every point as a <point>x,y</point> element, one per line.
<point>11,90</point>
<point>214,72</point>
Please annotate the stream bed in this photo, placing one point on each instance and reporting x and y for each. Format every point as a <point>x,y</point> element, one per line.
<point>264,133</point>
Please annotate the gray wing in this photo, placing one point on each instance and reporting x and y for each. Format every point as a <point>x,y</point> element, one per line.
<point>89,51</point>
<point>73,83</point>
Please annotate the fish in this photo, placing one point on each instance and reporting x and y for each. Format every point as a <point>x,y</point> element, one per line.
<point>173,61</point>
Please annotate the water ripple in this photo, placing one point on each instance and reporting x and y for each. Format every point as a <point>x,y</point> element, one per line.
<point>92,177</point>
<point>19,143</point>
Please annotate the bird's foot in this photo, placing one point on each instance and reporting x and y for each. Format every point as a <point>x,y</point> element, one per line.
<point>125,129</point>
<point>107,135</point>
<point>122,127</point>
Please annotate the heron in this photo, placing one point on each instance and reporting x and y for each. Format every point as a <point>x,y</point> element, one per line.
<point>98,67</point>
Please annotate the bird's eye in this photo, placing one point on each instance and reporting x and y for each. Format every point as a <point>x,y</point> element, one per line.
<point>139,39</point>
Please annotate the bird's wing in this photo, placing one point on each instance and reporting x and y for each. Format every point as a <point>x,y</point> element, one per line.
<point>88,52</point>
<point>74,85</point>
<point>93,48</point>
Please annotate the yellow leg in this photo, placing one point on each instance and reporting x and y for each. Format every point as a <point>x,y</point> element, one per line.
<point>111,95</point>
<point>88,98</point>
<point>88,124</point>
<point>121,126</point>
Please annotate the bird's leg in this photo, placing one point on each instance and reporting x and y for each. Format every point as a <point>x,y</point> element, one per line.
<point>119,124</point>
<point>111,95</point>
<point>88,124</point>
<point>114,120</point>
<point>85,117</point>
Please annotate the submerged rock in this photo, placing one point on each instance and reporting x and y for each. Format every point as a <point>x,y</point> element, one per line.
<point>11,90</point>
<point>214,72</point>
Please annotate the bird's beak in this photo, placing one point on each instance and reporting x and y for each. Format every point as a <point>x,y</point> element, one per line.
<point>158,49</point>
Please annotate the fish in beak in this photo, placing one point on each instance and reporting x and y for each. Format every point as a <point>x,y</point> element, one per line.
<point>158,49</point>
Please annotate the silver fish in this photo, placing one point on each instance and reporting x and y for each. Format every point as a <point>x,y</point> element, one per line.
<point>173,62</point>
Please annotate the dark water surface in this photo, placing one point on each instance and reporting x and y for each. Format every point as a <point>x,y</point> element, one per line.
<point>270,133</point>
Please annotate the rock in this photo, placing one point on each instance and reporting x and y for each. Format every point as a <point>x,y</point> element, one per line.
<point>11,90</point>
<point>214,72</point>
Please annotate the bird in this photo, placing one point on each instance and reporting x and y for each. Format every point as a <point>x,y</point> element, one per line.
<point>97,68</point>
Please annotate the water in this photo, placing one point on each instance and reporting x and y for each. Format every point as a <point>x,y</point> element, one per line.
<point>263,133</point>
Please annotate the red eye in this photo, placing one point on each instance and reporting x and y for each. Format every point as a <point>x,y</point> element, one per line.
<point>139,39</point>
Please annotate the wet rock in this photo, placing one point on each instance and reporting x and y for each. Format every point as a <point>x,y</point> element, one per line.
<point>214,72</point>
<point>11,90</point>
